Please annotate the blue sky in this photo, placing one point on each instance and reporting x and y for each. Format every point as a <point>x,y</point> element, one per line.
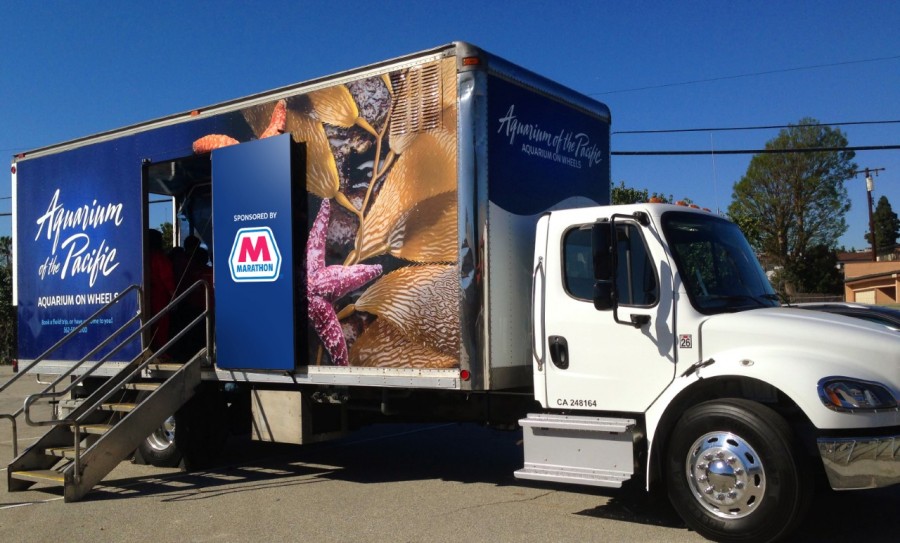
<point>72,69</point>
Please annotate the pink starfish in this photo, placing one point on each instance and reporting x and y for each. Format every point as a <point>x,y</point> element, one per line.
<point>327,284</point>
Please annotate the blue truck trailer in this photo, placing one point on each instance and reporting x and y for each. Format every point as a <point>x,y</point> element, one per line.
<point>365,238</point>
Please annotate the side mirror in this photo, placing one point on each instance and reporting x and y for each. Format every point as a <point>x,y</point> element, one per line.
<point>604,256</point>
<point>603,296</point>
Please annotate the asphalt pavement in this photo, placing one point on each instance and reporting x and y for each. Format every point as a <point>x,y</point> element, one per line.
<point>392,483</point>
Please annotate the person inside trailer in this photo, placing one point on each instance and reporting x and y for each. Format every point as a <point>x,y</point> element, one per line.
<point>160,288</point>
<point>194,266</point>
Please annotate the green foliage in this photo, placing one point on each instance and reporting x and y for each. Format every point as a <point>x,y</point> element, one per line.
<point>816,271</point>
<point>750,226</point>
<point>7,312</point>
<point>622,195</point>
<point>790,204</point>
<point>887,227</point>
<point>167,232</point>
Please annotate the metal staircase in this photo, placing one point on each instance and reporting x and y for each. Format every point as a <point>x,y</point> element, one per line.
<point>85,444</point>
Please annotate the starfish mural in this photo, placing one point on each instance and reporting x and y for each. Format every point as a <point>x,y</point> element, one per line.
<point>327,284</point>
<point>217,141</point>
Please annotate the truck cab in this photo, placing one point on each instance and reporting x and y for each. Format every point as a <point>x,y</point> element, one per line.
<point>669,269</point>
<point>661,347</point>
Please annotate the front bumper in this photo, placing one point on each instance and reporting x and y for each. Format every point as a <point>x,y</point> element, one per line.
<point>864,462</point>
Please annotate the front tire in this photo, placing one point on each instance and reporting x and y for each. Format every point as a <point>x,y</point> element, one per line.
<point>734,473</point>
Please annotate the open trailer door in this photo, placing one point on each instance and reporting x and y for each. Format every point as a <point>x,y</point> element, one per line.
<point>258,198</point>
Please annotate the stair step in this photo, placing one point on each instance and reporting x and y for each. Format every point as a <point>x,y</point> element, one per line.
<point>165,366</point>
<point>61,452</point>
<point>142,386</point>
<point>118,407</point>
<point>46,476</point>
<point>171,384</point>
<point>95,429</point>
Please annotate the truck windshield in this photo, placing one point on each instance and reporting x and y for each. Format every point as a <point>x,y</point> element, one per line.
<point>718,268</point>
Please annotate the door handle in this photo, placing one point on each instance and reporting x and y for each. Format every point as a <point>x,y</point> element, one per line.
<point>559,352</point>
<point>538,274</point>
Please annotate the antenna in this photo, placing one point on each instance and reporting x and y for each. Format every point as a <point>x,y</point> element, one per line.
<point>715,174</point>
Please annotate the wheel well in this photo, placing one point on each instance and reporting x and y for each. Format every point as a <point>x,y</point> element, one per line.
<point>718,388</point>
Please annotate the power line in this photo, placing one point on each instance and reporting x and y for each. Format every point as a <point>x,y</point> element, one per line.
<point>753,74</point>
<point>761,127</point>
<point>757,151</point>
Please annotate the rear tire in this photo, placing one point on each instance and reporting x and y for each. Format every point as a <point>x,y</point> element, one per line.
<point>159,448</point>
<point>734,473</point>
<point>193,437</point>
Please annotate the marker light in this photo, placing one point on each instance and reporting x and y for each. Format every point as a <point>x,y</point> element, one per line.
<point>471,61</point>
<point>465,375</point>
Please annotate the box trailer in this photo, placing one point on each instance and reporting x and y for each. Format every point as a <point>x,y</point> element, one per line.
<point>427,238</point>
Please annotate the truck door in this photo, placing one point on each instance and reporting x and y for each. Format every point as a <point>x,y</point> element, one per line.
<point>606,360</point>
<point>255,211</point>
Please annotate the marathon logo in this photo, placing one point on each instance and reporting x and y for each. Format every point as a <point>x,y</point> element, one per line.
<point>255,256</point>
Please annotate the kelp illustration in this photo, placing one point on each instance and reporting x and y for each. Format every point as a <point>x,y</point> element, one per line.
<point>414,217</point>
<point>417,322</point>
<point>384,150</point>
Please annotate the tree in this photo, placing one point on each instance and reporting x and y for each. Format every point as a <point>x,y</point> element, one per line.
<point>7,312</point>
<point>166,229</point>
<point>622,195</point>
<point>817,272</point>
<point>793,202</point>
<point>887,227</point>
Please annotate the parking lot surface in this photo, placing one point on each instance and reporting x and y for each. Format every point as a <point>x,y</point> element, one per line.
<point>438,482</point>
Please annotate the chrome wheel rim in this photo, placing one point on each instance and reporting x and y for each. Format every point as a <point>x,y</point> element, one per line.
<point>164,436</point>
<point>725,475</point>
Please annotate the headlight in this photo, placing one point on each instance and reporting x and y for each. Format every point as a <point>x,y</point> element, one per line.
<point>846,394</point>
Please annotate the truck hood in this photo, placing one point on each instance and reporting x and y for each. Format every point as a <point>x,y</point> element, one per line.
<point>844,345</point>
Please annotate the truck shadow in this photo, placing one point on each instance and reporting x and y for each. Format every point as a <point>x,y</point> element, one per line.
<point>467,454</point>
<point>634,505</point>
<point>462,453</point>
<point>861,515</point>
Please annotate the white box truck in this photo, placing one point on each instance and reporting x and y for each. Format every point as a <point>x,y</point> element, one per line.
<point>427,238</point>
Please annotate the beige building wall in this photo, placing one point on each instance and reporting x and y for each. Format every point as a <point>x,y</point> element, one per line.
<point>872,282</point>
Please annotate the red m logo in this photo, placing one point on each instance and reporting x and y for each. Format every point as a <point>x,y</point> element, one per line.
<point>254,253</point>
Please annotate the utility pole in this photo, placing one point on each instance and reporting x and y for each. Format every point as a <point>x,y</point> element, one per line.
<point>870,186</point>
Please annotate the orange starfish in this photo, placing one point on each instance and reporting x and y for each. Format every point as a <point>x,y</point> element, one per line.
<point>217,141</point>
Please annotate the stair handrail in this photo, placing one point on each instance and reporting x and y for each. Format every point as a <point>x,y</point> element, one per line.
<point>120,378</point>
<point>62,341</point>
<point>204,315</point>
